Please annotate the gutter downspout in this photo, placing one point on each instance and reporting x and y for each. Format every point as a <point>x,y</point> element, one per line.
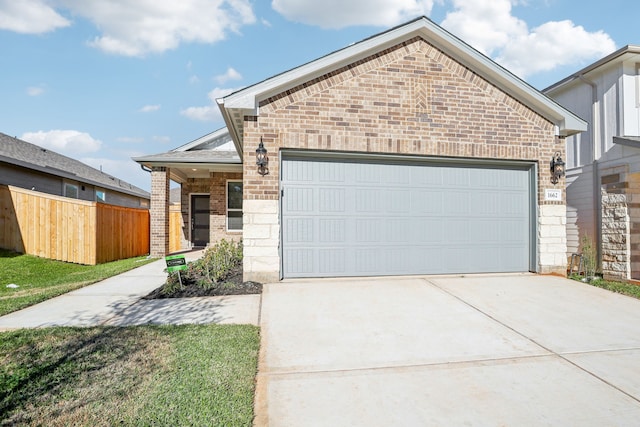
<point>597,196</point>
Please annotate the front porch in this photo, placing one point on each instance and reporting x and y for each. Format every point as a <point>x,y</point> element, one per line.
<point>209,173</point>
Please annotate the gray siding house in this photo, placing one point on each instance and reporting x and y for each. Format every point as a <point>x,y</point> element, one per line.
<point>29,166</point>
<point>603,163</point>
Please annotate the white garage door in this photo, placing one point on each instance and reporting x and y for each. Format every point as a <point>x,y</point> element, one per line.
<point>372,217</point>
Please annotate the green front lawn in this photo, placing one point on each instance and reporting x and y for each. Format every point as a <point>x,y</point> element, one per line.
<point>39,279</point>
<point>193,375</point>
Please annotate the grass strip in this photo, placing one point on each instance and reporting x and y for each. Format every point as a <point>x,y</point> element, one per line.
<point>39,279</point>
<point>137,376</point>
<point>628,289</point>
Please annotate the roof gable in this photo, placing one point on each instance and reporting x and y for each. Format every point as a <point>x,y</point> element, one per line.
<point>215,147</point>
<point>213,141</point>
<point>247,101</point>
<point>31,156</point>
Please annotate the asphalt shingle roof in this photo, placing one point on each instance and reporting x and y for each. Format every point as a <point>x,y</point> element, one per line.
<point>31,156</point>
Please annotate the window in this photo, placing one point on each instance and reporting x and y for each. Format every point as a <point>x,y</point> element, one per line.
<point>71,190</point>
<point>101,196</point>
<point>234,206</point>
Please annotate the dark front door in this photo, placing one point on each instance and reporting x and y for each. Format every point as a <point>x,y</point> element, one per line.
<point>199,220</point>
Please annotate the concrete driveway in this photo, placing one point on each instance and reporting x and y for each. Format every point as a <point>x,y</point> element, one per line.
<point>500,350</point>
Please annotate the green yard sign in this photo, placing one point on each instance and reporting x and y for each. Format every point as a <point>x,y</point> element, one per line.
<point>175,263</point>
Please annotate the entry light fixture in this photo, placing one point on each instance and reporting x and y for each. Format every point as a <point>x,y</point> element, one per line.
<point>557,168</point>
<point>262,160</point>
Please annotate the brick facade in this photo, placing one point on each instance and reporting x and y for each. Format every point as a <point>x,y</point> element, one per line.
<point>408,99</point>
<point>215,187</point>
<point>159,212</point>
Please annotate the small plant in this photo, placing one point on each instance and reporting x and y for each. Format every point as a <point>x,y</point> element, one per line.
<point>589,256</point>
<point>172,284</point>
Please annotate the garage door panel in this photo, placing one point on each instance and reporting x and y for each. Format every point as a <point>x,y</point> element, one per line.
<point>332,261</point>
<point>366,173</point>
<point>342,219</point>
<point>331,199</point>
<point>368,201</point>
<point>367,230</point>
<point>427,202</point>
<point>300,263</point>
<point>301,199</point>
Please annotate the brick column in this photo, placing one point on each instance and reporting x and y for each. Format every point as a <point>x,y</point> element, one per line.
<point>159,211</point>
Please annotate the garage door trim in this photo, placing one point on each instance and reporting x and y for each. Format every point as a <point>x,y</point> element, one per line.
<point>529,167</point>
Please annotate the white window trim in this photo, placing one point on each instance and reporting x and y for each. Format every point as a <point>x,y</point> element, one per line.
<point>226,202</point>
<point>74,184</point>
<point>103,191</point>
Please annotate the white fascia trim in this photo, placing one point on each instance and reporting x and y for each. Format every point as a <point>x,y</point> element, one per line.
<point>228,121</point>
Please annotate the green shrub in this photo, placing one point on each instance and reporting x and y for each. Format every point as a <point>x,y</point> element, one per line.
<point>210,271</point>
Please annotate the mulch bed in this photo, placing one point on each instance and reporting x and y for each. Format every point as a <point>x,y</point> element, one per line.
<point>231,285</point>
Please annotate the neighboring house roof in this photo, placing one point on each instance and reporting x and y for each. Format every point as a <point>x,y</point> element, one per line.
<point>246,101</point>
<point>623,54</point>
<point>24,154</point>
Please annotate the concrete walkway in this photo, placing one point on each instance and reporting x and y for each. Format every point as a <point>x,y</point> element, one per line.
<point>117,301</point>
<point>503,350</point>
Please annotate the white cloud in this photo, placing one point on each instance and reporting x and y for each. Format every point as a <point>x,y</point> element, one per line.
<point>141,27</point>
<point>490,27</point>
<point>554,44</point>
<point>35,90</point>
<point>231,74</point>
<point>208,113</point>
<point>30,17</point>
<point>149,108</point>
<point>337,14</point>
<point>69,142</point>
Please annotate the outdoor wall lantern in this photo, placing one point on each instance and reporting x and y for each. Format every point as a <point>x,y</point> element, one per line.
<point>557,168</point>
<point>262,160</point>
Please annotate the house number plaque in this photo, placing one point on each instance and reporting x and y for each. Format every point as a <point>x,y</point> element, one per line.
<point>553,194</point>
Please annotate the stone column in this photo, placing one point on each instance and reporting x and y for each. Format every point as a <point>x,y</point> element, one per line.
<point>616,250</point>
<point>552,239</point>
<point>261,236</point>
<point>159,211</point>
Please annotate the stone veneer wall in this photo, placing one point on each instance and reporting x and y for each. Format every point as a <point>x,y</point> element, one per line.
<point>408,99</point>
<point>620,202</point>
<point>552,239</point>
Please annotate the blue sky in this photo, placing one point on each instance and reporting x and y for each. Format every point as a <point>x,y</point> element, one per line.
<point>103,81</point>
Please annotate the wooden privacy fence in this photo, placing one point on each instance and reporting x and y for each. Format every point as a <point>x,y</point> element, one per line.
<point>70,230</point>
<point>175,228</point>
